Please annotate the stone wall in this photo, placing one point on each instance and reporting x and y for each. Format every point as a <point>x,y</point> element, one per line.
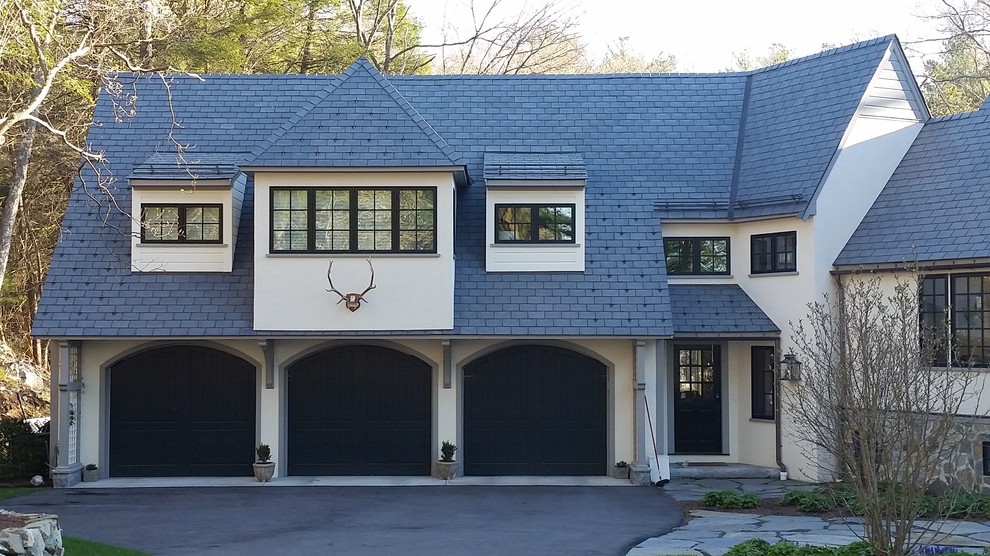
<point>38,535</point>
<point>964,470</point>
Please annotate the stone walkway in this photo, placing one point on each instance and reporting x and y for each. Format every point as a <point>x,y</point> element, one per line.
<point>713,533</point>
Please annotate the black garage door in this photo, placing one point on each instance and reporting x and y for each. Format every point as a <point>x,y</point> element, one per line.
<point>182,411</point>
<point>534,410</point>
<point>359,410</point>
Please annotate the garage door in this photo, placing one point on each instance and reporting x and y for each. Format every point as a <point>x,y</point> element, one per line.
<point>182,411</point>
<point>535,410</point>
<point>359,410</point>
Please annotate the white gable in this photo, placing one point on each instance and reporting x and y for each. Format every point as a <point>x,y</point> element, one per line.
<point>893,93</point>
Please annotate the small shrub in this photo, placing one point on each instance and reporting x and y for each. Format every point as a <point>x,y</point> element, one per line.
<point>730,499</point>
<point>22,454</point>
<point>264,453</point>
<point>812,502</point>
<point>447,451</point>
<point>760,547</point>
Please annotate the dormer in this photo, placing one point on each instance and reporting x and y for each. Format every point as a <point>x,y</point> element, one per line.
<point>534,211</point>
<point>186,209</point>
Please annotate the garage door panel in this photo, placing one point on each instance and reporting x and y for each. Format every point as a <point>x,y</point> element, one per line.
<point>535,410</point>
<point>359,410</point>
<point>182,411</point>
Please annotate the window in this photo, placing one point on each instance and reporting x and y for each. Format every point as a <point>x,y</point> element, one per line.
<point>763,382</point>
<point>534,223</point>
<point>774,252</point>
<point>353,220</point>
<point>181,223</point>
<point>961,302</point>
<point>697,255</point>
<point>986,459</point>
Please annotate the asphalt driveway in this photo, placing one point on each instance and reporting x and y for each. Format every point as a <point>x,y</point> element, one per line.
<point>362,520</point>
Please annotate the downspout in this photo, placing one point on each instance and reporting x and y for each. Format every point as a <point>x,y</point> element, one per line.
<point>779,408</point>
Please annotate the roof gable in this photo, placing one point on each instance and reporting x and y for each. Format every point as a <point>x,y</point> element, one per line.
<point>358,120</point>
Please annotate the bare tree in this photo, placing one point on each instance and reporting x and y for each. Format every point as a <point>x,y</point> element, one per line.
<point>875,407</point>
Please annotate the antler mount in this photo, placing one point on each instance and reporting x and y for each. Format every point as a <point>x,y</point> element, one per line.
<point>351,300</point>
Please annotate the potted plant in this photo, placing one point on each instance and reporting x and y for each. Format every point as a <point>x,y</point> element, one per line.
<point>264,468</point>
<point>447,467</point>
<point>90,473</point>
<point>622,470</point>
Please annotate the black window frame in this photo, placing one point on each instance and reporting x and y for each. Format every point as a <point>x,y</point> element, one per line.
<point>353,224</point>
<point>774,253</point>
<point>763,382</point>
<point>182,209</point>
<point>986,458</point>
<point>943,302</point>
<point>534,209</point>
<point>696,257</point>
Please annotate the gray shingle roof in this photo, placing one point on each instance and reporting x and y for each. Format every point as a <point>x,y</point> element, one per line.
<point>191,165</point>
<point>534,166</point>
<point>701,310</point>
<point>936,205</point>
<point>358,119</point>
<point>643,139</point>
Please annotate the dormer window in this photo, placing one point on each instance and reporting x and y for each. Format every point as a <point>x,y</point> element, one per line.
<point>353,220</point>
<point>534,223</point>
<point>181,223</point>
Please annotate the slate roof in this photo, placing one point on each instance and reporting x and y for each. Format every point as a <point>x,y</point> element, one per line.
<point>644,139</point>
<point>356,119</point>
<point>936,205</point>
<point>534,166</point>
<point>703,310</point>
<point>194,165</point>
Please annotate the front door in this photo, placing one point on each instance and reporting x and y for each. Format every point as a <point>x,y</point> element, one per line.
<point>697,400</point>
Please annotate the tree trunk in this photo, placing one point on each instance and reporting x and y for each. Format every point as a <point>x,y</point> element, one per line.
<point>13,201</point>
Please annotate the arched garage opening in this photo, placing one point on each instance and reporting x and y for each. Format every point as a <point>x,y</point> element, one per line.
<point>182,411</point>
<point>535,410</point>
<point>359,410</point>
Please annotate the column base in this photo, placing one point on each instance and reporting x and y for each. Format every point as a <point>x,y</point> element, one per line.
<point>639,474</point>
<point>64,477</point>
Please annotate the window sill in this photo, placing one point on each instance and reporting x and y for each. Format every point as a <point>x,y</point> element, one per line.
<point>184,245</point>
<point>768,274</point>
<point>532,245</point>
<point>352,255</point>
<point>769,420</point>
<point>687,277</point>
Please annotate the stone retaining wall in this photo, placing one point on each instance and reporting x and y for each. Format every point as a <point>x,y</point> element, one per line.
<point>41,535</point>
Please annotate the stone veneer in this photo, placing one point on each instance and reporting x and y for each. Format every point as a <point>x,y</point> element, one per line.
<point>41,535</point>
<point>964,470</point>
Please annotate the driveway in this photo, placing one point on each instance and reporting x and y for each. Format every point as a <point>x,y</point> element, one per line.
<point>362,520</point>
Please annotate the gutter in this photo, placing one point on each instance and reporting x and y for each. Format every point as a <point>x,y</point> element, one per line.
<point>777,394</point>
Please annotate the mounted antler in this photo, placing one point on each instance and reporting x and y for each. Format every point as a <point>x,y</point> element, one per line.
<point>352,300</point>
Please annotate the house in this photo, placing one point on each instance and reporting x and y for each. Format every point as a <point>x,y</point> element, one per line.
<point>931,217</point>
<point>554,272</point>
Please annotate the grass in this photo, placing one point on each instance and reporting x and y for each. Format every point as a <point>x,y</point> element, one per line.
<point>82,547</point>
<point>6,493</point>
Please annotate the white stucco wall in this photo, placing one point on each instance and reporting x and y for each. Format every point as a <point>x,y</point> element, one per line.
<point>413,291</point>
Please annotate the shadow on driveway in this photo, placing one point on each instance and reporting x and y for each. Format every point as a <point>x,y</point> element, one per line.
<point>362,520</point>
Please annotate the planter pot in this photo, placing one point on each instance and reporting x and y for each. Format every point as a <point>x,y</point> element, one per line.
<point>264,471</point>
<point>622,472</point>
<point>90,475</point>
<point>446,469</point>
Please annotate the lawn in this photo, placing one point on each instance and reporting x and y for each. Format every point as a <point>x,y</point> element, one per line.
<point>13,492</point>
<point>82,547</point>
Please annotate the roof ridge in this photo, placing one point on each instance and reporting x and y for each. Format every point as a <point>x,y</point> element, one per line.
<point>409,110</point>
<point>829,52</point>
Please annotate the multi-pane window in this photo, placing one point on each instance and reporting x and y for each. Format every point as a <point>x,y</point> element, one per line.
<point>181,223</point>
<point>534,223</point>
<point>696,373</point>
<point>353,220</point>
<point>774,252</point>
<point>961,301</point>
<point>697,255</point>
<point>763,382</point>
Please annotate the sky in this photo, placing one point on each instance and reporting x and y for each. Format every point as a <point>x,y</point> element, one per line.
<point>705,34</point>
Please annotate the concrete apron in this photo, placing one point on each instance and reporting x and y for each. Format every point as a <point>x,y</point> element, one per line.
<point>160,482</point>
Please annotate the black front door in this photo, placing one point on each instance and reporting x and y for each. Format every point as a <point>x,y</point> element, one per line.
<point>535,410</point>
<point>697,400</point>
<point>182,411</point>
<point>359,410</point>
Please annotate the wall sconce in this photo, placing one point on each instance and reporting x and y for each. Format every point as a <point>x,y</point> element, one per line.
<point>790,367</point>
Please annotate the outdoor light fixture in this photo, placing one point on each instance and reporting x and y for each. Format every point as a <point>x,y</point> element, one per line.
<point>790,367</point>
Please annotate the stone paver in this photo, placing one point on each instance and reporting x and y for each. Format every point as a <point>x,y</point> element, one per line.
<point>713,533</point>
